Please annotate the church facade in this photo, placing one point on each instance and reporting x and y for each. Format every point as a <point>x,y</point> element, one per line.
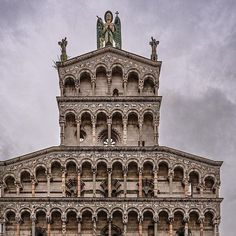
<point>109,176</point>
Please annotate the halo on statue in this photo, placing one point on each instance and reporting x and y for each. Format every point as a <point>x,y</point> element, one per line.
<point>105,15</point>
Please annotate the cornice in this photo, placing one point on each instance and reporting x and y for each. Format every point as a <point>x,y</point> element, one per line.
<point>109,50</point>
<point>98,199</point>
<point>55,149</point>
<point>110,99</point>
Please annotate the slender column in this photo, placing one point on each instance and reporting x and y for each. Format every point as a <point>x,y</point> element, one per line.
<point>140,182</point>
<point>79,226</point>
<point>78,132</point>
<point>186,227</point>
<point>171,181</point>
<point>48,226</point>
<point>33,182</point>
<point>186,187</point>
<point>93,86</point>
<point>33,219</point>
<point>61,87</point>
<point>1,229</point>
<point>155,182</point>
<point>156,89</point>
<point>1,190</point>
<point>125,120</point>
<point>216,228</point>
<point>156,220</point>
<point>77,89</point>
<point>156,136</point>
<point>109,82</point>
<point>125,222</point>
<point>78,182</point>
<point>109,171</point>
<point>141,89</point>
<point>94,130</point>
<point>109,226</point>
<point>140,226</point>
<point>4,227</point>
<point>63,182</point>
<point>94,226</point>
<point>18,221</point>
<point>171,227</point>
<point>125,180</point>
<point>125,86</point>
<point>140,132</point>
<point>48,184</point>
<point>94,181</point>
<point>201,226</point>
<point>62,133</point>
<point>109,121</point>
<point>18,187</point>
<point>63,227</point>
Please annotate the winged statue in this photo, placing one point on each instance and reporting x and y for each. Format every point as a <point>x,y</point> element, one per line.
<point>109,33</point>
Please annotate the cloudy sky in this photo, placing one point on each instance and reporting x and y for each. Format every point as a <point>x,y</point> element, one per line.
<point>198,77</point>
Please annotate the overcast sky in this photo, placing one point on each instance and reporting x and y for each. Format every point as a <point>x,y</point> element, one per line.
<point>198,77</point>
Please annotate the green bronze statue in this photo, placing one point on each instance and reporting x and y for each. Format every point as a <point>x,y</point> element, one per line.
<point>63,44</point>
<point>109,33</point>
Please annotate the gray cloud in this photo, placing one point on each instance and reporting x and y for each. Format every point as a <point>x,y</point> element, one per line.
<point>198,49</point>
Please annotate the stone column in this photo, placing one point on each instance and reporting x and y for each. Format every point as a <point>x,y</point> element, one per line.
<point>61,88</point>
<point>79,226</point>
<point>4,227</point>
<point>156,220</point>
<point>125,180</point>
<point>109,171</point>
<point>156,89</point>
<point>171,227</point>
<point>63,182</point>
<point>1,229</point>
<point>140,182</point>
<point>156,125</point>
<point>63,227</point>
<point>140,132</point>
<point>93,85</point>
<point>77,87</point>
<point>33,182</point>
<point>141,89</point>
<point>78,132</point>
<point>171,181</point>
<point>48,226</point>
<point>94,226</point>
<point>48,184</point>
<point>78,182</point>
<point>125,120</point>
<point>155,182</point>
<point>33,219</point>
<point>18,187</point>
<point>186,226</point>
<point>18,221</point>
<point>216,228</point>
<point>125,222</point>
<point>125,85</point>
<point>62,133</point>
<point>94,181</point>
<point>94,130</point>
<point>201,226</point>
<point>1,189</point>
<point>186,187</point>
<point>140,226</point>
<point>109,226</point>
<point>109,82</point>
<point>109,121</point>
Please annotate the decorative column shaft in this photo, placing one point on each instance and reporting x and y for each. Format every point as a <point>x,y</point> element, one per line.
<point>18,225</point>
<point>49,229</point>
<point>1,229</point>
<point>201,228</point>
<point>1,190</point>
<point>125,87</point>
<point>216,229</point>
<point>109,121</point>
<point>109,170</point>
<point>140,227</point>
<point>140,132</point>
<point>94,181</point>
<point>125,130</point>
<point>109,227</point>
<point>78,182</point>
<point>18,188</point>
<point>94,226</point>
<point>62,133</point>
<point>125,181</point>
<point>33,186</point>
<point>171,227</point>
<point>63,183</point>
<point>94,130</point>
<point>171,181</point>
<point>155,229</point>
<point>78,132</point>
<point>155,182</point>
<point>140,182</point>
<point>93,86</point>
<point>79,226</point>
<point>33,227</point>
<point>186,228</point>
<point>109,82</point>
<point>48,184</point>
<point>63,227</point>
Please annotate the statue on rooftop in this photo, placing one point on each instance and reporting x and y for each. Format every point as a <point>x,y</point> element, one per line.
<point>154,44</point>
<point>109,33</point>
<point>63,44</point>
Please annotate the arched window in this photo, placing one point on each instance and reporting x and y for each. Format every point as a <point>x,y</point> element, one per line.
<point>70,130</point>
<point>117,81</point>
<point>101,81</point>
<point>85,84</point>
<point>132,84</point>
<point>148,87</point>
<point>69,87</point>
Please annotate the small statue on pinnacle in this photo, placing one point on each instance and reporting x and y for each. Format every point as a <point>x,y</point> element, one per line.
<point>63,44</point>
<point>154,44</point>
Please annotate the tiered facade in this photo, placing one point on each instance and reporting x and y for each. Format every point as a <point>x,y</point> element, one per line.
<point>109,176</point>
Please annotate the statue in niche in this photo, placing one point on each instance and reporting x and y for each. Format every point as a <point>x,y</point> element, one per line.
<point>109,33</point>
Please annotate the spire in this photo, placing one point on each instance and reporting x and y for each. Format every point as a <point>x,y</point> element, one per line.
<point>154,44</point>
